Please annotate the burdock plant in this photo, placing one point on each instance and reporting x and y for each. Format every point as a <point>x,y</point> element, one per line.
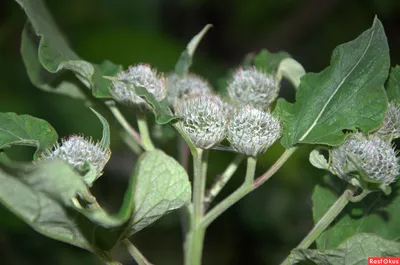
<point>343,111</point>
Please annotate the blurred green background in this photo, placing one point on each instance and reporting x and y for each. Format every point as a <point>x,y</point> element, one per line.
<point>265,225</point>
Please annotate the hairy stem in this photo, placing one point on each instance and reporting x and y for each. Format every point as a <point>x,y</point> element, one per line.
<point>246,188</point>
<point>184,212</point>
<point>184,151</point>
<point>235,196</point>
<point>275,167</point>
<point>223,179</point>
<point>106,258</point>
<point>132,144</point>
<point>195,236</point>
<point>135,253</point>
<point>124,123</point>
<point>328,218</point>
<point>111,262</point>
<point>144,132</point>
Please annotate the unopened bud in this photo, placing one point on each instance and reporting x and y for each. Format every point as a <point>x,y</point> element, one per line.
<point>181,87</point>
<point>140,75</point>
<point>390,128</point>
<point>377,158</point>
<point>203,120</point>
<point>252,131</point>
<point>77,150</point>
<point>253,87</point>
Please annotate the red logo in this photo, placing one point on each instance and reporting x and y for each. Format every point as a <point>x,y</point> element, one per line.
<point>383,261</point>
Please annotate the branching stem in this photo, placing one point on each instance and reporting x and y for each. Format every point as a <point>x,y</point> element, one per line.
<point>223,179</point>
<point>125,124</point>
<point>246,187</point>
<point>195,236</point>
<point>144,132</point>
<point>329,217</point>
<point>135,253</point>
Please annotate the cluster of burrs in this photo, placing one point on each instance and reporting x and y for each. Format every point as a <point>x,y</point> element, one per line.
<point>79,152</point>
<point>205,118</point>
<point>362,159</point>
<point>245,122</point>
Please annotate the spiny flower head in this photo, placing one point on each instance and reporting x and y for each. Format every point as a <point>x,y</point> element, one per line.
<point>390,128</point>
<point>203,120</point>
<point>377,157</point>
<point>251,86</point>
<point>78,150</point>
<point>140,75</point>
<point>190,85</point>
<point>252,131</point>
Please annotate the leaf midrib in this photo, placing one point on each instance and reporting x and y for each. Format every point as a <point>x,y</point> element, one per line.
<point>339,86</point>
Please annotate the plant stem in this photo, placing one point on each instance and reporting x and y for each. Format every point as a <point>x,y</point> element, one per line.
<point>251,170</point>
<point>275,167</point>
<point>144,132</point>
<point>195,236</point>
<point>183,150</point>
<point>178,127</point>
<point>124,123</point>
<point>132,144</point>
<point>223,179</point>
<point>106,258</point>
<point>112,262</point>
<point>326,220</point>
<point>246,188</point>
<point>135,253</point>
<point>198,183</point>
<point>184,212</point>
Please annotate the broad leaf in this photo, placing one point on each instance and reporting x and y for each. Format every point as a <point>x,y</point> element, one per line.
<point>393,85</point>
<point>377,213</point>
<point>269,62</point>
<point>40,196</point>
<point>160,185</point>
<point>38,75</point>
<point>347,95</point>
<point>46,55</point>
<point>26,130</point>
<point>54,200</point>
<point>185,60</point>
<point>354,251</point>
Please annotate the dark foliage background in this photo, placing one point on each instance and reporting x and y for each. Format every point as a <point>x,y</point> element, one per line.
<point>268,223</point>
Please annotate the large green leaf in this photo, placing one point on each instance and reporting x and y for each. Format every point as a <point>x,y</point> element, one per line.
<point>158,185</point>
<point>161,185</point>
<point>393,85</point>
<point>40,196</point>
<point>46,55</point>
<point>377,213</point>
<point>347,95</point>
<point>26,130</point>
<point>354,251</point>
<point>55,201</point>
